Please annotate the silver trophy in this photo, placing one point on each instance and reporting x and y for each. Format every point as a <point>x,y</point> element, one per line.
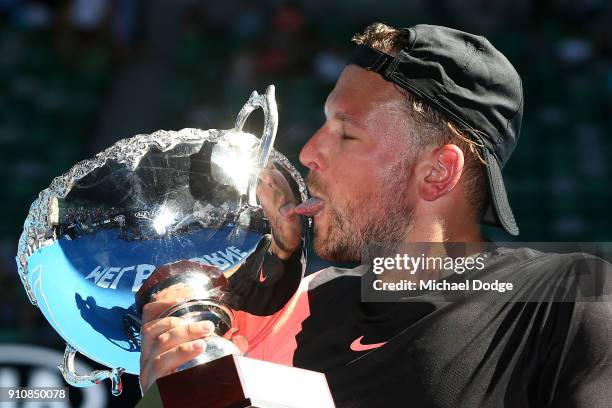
<point>94,238</point>
<point>208,301</point>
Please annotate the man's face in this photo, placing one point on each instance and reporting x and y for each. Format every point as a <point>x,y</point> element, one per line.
<point>360,164</point>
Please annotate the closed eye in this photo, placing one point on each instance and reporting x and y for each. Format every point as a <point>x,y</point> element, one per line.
<point>348,137</point>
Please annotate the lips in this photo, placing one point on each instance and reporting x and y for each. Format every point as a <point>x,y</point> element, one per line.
<point>310,207</point>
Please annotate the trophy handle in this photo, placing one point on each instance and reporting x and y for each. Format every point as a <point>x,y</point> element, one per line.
<point>95,377</point>
<point>266,102</point>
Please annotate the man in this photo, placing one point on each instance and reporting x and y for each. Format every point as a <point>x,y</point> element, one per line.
<point>417,129</point>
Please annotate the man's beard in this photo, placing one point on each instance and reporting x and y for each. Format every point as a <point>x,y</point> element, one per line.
<point>378,222</point>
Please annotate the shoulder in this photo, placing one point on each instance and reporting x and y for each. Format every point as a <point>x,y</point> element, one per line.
<point>333,276</point>
<point>573,277</point>
<point>332,282</point>
<point>526,256</point>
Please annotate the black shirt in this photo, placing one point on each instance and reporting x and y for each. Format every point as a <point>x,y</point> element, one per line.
<point>547,342</point>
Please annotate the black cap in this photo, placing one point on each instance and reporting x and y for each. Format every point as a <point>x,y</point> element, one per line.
<point>465,77</point>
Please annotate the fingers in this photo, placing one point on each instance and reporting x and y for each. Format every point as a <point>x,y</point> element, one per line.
<point>276,198</point>
<point>185,333</point>
<point>181,334</point>
<point>274,191</point>
<point>167,362</point>
<point>169,342</point>
<point>178,290</point>
<point>155,328</point>
<point>278,202</point>
<point>165,299</point>
<point>168,333</point>
<point>172,341</point>
<point>152,310</point>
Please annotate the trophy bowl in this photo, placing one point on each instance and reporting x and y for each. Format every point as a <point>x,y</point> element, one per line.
<point>98,232</point>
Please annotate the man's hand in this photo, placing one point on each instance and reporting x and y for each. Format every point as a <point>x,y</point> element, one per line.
<point>278,203</point>
<point>169,342</point>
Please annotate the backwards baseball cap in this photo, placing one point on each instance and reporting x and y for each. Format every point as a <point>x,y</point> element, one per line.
<point>464,77</point>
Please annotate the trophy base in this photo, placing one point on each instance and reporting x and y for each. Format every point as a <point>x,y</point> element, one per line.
<point>240,382</point>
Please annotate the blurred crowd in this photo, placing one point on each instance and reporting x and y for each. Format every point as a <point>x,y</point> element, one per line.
<point>78,75</point>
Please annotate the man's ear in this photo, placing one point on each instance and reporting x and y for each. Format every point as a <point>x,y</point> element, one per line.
<point>440,172</point>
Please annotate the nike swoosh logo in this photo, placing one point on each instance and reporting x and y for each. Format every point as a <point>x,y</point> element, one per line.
<point>262,278</point>
<point>358,346</point>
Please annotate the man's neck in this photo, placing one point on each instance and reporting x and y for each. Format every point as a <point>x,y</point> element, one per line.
<point>439,230</point>
<point>431,239</point>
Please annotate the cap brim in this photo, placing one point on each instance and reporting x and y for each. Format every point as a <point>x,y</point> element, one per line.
<point>499,212</point>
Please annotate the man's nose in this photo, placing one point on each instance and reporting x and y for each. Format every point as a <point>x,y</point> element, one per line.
<point>311,154</point>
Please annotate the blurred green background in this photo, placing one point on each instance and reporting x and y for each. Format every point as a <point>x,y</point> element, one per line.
<point>76,76</point>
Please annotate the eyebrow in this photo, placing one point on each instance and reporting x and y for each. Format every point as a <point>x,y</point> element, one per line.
<point>349,119</point>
